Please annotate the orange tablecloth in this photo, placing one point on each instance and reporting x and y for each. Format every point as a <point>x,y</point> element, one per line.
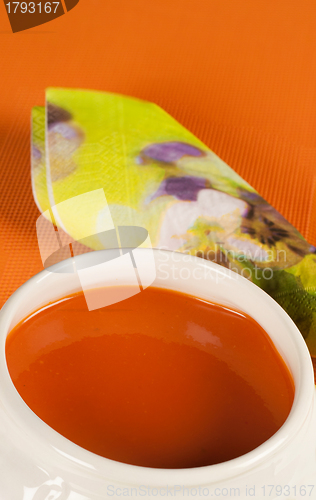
<point>240,74</point>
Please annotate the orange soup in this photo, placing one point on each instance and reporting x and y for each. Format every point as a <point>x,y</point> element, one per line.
<point>161,379</point>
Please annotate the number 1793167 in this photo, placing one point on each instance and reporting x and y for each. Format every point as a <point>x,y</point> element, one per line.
<point>32,7</point>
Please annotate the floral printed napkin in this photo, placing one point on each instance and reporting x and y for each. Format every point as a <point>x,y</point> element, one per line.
<point>157,175</point>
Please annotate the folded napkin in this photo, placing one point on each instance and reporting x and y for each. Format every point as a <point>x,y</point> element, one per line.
<point>157,175</point>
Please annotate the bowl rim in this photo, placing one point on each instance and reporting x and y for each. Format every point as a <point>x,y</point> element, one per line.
<point>47,442</point>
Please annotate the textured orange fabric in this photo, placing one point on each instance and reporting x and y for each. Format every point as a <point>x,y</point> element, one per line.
<point>240,74</point>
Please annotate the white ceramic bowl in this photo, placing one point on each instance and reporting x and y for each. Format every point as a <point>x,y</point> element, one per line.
<point>37,463</point>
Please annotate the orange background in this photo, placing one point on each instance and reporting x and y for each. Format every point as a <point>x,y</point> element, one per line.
<point>240,74</point>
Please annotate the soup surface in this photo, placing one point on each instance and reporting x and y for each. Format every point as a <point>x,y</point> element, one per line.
<point>161,379</point>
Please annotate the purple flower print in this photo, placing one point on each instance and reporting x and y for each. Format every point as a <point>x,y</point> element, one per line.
<point>169,152</point>
<point>183,188</point>
<point>56,114</point>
